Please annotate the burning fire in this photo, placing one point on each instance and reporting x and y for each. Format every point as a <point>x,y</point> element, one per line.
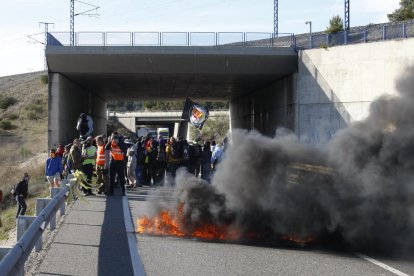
<point>168,223</point>
<point>173,224</point>
<point>298,239</point>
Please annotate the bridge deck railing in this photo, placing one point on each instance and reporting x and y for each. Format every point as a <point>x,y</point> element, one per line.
<point>249,39</point>
<point>355,35</point>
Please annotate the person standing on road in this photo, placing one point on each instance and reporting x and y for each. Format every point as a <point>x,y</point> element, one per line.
<point>53,169</point>
<point>131,165</point>
<point>173,159</point>
<point>101,166</point>
<point>75,156</point>
<point>116,166</point>
<point>89,159</point>
<point>206,162</point>
<point>20,193</point>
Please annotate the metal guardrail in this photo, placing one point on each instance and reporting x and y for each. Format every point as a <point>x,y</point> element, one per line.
<point>13,262</point>
<point>355,35</point>
<point>249,39</point>
<point>370,33</point>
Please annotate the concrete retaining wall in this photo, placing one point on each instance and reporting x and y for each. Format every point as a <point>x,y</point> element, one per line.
<point>335,86</point>
<point>265,109</point>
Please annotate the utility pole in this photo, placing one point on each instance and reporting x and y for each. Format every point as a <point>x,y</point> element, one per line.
<point>72,22</point>
<point>346,17</point>
<point>276,18</point>
<point>310,33</point>
<point>72,17</point>
<point>46,24</point>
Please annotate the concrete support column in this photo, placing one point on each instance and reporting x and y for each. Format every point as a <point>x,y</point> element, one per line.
<point>67,100</point>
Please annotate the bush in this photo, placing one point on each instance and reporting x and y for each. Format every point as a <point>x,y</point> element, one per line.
<point>24,152</point>
<point>6,125</point>
<point>12,116</point>
<point>44,79</point>
<point>32,115</point>
<point>336,24</point>
<point>5,102</point>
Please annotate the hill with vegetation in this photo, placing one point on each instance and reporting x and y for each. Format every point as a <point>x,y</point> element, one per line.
<point>23,140</point>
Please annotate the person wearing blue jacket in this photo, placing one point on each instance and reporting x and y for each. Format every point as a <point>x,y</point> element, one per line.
<point>53,169</point>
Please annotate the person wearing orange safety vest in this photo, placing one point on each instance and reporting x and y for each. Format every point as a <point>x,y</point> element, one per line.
<point>102,166</point>
<point>117,150</point>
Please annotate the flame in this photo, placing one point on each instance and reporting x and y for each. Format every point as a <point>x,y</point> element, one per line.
<point>298,239</point>
<point>168,223</point>
<point>172,223</point>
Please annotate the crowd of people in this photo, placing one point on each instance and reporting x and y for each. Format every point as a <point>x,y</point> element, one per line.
<point>131,163</point>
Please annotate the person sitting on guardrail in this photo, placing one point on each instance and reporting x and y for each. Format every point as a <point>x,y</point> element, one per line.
<point>53,169</point>
<point>20,193</point>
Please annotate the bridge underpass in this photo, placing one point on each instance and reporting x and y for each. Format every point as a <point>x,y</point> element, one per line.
<point>258,82</point>
<point>165,119</point>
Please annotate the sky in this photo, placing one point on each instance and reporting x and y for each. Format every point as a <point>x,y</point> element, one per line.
<point>20,18</point>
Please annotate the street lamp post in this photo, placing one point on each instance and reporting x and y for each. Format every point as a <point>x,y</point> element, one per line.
<point>310,32</point>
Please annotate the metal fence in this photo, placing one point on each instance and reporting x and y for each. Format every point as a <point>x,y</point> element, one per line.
<point>355,35</point>
<point>249,39</point>
<point>14,260</point>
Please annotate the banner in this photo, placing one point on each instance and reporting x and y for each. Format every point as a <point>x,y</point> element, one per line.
<point>194,113</point>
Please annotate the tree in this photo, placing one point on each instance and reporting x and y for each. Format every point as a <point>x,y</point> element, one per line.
<point>404,12</point>
<point>215,128</point>
<point>336,24</point>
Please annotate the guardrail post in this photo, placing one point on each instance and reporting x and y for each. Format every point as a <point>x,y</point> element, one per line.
<point>345,37</point>
<point>4,251</point>
<point>310,41</point>
<point>23,222</point>
<point>53,193</point>
<point>365,35</point>
<point>41,204</point>
<point>404,31</point>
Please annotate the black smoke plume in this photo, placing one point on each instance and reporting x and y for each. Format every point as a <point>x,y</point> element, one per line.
<point>366,194</point>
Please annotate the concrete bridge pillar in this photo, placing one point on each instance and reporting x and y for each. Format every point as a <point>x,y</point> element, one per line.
<point>67,100</point>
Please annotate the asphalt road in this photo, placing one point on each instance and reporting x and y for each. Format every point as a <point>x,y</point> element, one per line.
<point>91,241</point>
<point>183,256</point>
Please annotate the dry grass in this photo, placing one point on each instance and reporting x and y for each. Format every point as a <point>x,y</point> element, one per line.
<point>23,149</point>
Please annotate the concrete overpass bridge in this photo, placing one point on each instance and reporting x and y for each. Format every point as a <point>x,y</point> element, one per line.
<point>313,92</point>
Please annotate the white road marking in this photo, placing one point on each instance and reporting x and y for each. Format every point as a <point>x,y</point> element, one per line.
<point>382,265</point>
<point>137,265</point>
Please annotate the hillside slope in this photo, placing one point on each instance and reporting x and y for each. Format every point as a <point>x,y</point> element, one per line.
<point>23,138</point>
